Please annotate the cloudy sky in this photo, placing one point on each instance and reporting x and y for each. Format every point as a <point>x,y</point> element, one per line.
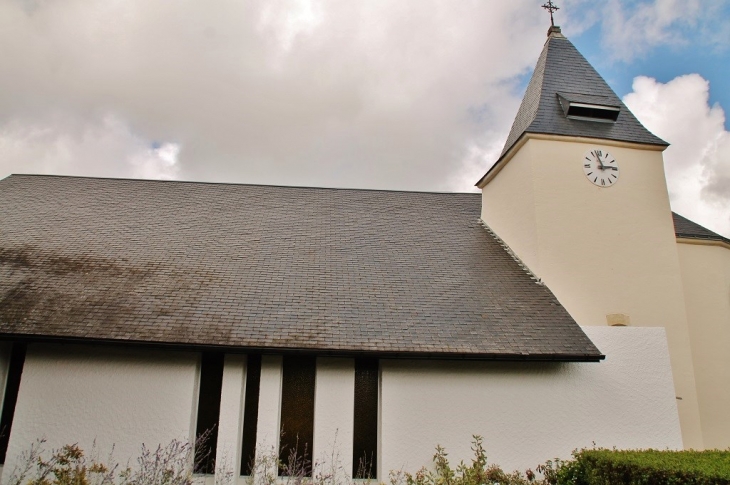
<point>407,94</point>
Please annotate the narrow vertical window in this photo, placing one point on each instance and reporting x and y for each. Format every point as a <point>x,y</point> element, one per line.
<point>209,406</point>
<point>365,443</point>
<point>250,414</point>
<point>12,386</point>
<point>297,415</point>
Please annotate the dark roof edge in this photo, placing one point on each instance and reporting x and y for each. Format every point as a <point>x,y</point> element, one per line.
<point>696,237</point>
<point>29,338</point>
<point>234,184</point>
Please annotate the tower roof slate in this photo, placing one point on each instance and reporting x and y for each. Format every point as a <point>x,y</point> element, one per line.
<point>562,70</point>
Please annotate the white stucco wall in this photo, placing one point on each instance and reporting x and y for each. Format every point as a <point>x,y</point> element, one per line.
<point>230,420</point>
<point>115,396</point>
<point>334,410</point>
<point>527,412</point>
<point>531,412</point>
<point>706,280</point>
<point>267,431</point>
<point>601,251</point>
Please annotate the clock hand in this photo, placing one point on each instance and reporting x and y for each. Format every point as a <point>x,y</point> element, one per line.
<point>603,167</point>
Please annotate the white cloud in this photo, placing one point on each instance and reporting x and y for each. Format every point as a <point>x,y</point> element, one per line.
<point>66,145</point>
<point>631,28</point>
<point>374,94</point>
<point>698,161</point>
<point>289,18</point>
<point>415,94</point>
<point>156,163</point>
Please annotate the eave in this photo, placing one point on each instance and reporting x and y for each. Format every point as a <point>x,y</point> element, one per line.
<point>700,241</point>
<point>509,154</point>
<point>348,353</point>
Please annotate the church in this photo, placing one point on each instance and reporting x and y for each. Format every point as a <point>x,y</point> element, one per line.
<point>563,306</point>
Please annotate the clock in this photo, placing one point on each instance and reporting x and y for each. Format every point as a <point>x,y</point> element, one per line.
<point>600,167</point>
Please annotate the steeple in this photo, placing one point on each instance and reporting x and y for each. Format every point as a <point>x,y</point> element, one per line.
<point>566,96</point>
<point>606,247</point>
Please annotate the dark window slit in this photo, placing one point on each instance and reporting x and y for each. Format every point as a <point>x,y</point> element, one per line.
<point>209,406</point>
<point>365,443</point>
<point>12,386</point>
<point>297,416</point>
<point>250,414</point>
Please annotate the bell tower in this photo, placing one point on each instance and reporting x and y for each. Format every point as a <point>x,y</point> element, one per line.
<point>579,195</point>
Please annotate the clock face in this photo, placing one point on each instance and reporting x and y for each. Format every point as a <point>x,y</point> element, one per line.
<point>600,167</point>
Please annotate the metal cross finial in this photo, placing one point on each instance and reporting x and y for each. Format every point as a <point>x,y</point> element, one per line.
<point>550,7</point>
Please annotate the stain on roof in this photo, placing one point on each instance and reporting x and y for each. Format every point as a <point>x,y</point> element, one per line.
<point>269,268</point>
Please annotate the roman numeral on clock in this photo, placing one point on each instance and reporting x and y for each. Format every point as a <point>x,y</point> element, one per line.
<point>600,168</point>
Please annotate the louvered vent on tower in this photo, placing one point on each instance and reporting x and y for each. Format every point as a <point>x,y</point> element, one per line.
<point>588,107</point>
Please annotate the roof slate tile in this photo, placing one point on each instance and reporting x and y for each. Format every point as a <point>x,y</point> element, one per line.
<point>275,268</point>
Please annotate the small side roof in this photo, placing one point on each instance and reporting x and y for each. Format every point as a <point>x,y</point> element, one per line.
<point>684,228</point>
<point>272,269</point>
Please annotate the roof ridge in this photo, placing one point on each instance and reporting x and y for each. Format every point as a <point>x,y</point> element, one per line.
<point>241,184</point>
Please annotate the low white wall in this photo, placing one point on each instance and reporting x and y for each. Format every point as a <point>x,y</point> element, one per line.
<point>531,412</point>
<point>114,396</point>
<point>527,412</point>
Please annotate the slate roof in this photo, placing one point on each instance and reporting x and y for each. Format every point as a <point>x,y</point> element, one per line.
<point>687,229</point>
<point>562,69</point>
<point>276,269</point>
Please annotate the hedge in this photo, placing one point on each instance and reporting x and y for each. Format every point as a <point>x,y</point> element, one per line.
<point>646,467</point>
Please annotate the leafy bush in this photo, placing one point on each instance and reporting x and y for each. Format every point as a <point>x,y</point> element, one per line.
<point>168,465</point>
<point>268,468</point>
<point>646,467</point>
<point>479,472</point>
<point>173,465</point>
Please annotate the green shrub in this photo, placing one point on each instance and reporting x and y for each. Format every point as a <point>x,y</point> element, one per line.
<point>478,472</point>
<point>646,467</point>
<point>173,465</point>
